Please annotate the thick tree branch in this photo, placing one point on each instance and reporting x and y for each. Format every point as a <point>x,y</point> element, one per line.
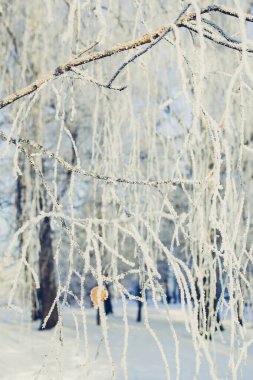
<point>60,70</point>
<point>158,34</point>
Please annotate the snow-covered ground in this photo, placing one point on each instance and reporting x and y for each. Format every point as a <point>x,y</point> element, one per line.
<point>29,354</point>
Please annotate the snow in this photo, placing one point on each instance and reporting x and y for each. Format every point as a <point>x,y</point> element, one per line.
<point>29,354</point>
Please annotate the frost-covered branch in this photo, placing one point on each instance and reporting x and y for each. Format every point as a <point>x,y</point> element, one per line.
<point>227,42</point>
<point>33,149</point>
<point>158,35</point>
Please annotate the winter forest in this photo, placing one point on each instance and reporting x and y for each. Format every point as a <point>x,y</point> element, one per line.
<point>126,189</point>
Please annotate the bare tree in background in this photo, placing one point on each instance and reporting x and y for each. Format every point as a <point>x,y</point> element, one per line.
<point>147,106</point>
<point>47,276</point>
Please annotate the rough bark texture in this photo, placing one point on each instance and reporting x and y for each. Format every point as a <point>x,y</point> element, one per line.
<point>47,274</point>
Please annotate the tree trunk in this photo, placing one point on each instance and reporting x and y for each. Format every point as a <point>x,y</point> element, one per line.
<point>139,311</point>
<point>36,304</point>
<point>107,305</point>
<point>139,303</point>
<point>108,302</point>
<point>167,291</point>
<point>47,275</point>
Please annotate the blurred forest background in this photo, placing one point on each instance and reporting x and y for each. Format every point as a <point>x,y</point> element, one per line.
<point>126,148</point>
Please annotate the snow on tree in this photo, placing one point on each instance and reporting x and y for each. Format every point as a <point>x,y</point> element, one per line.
<point>127,139</point>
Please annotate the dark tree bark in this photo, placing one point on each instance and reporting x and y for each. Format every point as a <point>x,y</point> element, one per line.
<point>36,304</point>
<point>98,317</point>
<point>139,311</point>
<point>139,303</point>
<point>239,314</point>
<point>167,291</point>
<point>21,202</point>
<point>107,305</point>
<point>108,302</point>
<point>47,275</point>
<point>212,313</point>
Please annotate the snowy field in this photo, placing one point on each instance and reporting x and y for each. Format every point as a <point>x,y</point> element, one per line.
<point>29,354</point>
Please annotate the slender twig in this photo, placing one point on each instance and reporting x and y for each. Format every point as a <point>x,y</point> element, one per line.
<point>10,33</point>
<point>99,84</point>
<point>232,45</point>
<point>164,32</point>
<point>221,9</point>
<point>220,31</point>
<point>90,47</point>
